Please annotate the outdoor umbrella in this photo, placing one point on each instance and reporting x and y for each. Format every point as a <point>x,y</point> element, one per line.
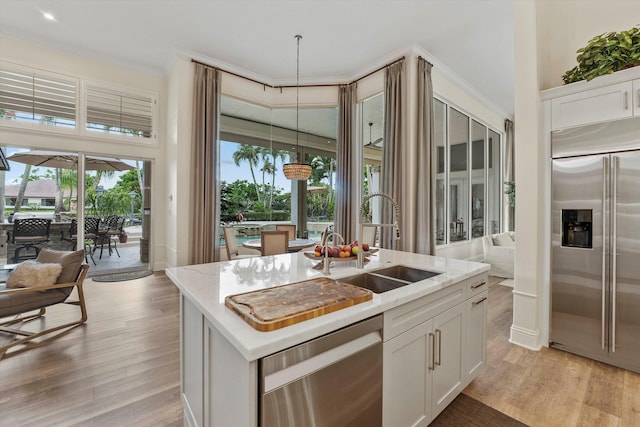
<point>60,160</point>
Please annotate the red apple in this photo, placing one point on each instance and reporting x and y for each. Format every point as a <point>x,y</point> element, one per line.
<point>365,246</point>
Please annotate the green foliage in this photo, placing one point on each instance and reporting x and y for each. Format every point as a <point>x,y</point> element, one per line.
<point>605,54</point>
<point>510,191</point>
<point>128,182</point>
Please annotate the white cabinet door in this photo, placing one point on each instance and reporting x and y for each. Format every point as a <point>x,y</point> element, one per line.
<point>636,97</point>
<point>449,372</point>
<point>191,340</point>
<point>475,335</point>
<point>592,106</point>
<point>406,379</point>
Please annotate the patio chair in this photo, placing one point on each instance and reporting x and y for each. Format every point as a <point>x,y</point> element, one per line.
<point>231,245</point>
<point>22,305</point>
<point>291,228</point>
<point>274,242</point>
<point>91,227</point>
<point>110,233</point>
<point>28,233</point>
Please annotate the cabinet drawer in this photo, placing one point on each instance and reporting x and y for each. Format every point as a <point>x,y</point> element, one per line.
<point>401,319</point>
<point>592,106</point>
<point>477,284</point>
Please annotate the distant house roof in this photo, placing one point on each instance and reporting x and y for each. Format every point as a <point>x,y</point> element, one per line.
<point>40,189</point>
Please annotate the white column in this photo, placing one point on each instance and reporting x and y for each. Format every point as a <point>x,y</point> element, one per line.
<point>525,330</point>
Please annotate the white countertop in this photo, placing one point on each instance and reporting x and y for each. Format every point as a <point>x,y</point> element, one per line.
<point>207,285</point>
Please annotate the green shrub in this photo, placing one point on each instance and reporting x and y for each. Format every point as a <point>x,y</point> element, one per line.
<point>605,54</point>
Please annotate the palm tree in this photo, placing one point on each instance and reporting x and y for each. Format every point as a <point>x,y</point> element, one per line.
<point>248,153</point>
<point>68,181</point>
<point>26,176</point>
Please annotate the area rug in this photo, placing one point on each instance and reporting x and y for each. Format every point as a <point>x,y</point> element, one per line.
<point>466,411</point>
<point>121,277</point>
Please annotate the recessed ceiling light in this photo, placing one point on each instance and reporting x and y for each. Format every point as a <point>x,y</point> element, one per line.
<point>48,16</point>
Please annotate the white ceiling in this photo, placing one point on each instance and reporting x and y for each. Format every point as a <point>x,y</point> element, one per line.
<point>342,40</point>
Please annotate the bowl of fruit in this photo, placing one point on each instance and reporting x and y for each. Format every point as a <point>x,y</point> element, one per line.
<point>340,252</point>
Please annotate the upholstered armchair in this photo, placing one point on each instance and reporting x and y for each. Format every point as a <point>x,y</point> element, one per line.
<point>499,251</point>
<point>39,284</point>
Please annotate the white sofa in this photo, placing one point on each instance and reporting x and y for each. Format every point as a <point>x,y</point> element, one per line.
<point>499,251</point>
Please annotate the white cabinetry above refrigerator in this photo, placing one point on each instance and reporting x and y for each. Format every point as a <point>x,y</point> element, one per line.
<point>601,100</point>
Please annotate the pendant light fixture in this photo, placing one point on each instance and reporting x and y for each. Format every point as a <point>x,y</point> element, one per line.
<point>297,170</point>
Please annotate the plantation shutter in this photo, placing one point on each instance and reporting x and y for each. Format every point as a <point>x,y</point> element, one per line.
<point>118,112</point>
<point>29,96</point>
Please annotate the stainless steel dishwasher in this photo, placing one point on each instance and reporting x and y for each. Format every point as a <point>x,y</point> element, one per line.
<point>334,380</point>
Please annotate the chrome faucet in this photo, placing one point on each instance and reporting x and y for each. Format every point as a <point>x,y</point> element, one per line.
<point>333,235</point>
<point>395,225</point>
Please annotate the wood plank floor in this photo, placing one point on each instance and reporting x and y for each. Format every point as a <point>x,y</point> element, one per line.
<point>122,369</point>
<point>550,387</point>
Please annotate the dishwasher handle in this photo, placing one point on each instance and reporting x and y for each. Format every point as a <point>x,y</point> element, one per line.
<point>316,363</point>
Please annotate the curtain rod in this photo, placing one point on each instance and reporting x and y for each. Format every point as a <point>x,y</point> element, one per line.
<point>427,61</point>
<point>290,86</point>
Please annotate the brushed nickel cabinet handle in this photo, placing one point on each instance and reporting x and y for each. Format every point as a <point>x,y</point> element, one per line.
<point>432,338</point>
<point>479,301</point>
<point>478,285</point>
<point>626,100</point>
<point>439,338</point>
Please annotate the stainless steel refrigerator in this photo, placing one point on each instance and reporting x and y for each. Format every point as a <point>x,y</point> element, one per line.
<point>595,254</point>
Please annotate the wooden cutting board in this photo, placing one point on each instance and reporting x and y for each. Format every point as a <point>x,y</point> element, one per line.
<point>280,306</point>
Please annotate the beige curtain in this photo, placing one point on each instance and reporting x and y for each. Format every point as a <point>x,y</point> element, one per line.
<point>203,230</point>
<point>347,173</point>
<point>394,151</point>
<point>509,172</point>
<point>423,217</point>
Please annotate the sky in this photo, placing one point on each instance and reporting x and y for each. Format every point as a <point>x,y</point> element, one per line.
<point>229,172</point>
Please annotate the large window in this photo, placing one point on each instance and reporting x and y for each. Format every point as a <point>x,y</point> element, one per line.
<point>37,97</point>
<point>31,98</point>
<point>255,142</point>
<point>468,176</point>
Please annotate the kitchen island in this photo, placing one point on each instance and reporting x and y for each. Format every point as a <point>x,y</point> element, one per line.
<point>220,352</point>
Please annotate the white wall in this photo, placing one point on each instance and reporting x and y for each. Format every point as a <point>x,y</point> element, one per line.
<point>547,35</point>
<point>32,55</point>
<point>567,25</point>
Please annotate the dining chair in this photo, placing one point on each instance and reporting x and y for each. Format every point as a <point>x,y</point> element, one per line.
<point>369,234</point>
<point>231,244</point>
<point>290,228</point>
<point>274,242</point>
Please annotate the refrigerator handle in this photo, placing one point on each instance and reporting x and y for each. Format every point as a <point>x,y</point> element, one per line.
<point>604,253</point>
<point>614,234</point>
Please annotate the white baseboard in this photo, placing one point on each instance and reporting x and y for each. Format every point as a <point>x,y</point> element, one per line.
<point>525,338</point>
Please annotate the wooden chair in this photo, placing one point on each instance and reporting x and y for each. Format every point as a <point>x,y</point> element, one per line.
<point>369,234</point>
<point>291,228</point>
<point>274,242</point>
<point>22,305</point>
<point>231,245</point>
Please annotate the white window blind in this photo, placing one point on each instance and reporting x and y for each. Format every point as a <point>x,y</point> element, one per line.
<point>116,112</point>
<point>38,98</point>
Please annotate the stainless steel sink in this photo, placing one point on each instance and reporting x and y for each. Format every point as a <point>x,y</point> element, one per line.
<point>374,282</point>
<point>403,272</point>
<point>388,279</point>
